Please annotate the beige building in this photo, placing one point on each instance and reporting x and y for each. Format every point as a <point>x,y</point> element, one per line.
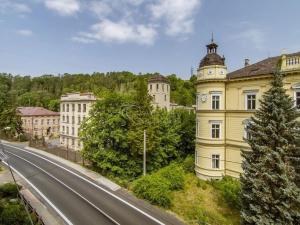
<point>38,122</point>
<point>159,89</point>
<point>74,108</point>
<point>226,101</point>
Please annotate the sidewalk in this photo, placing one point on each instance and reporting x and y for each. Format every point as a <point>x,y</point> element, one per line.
<point>93,175</point>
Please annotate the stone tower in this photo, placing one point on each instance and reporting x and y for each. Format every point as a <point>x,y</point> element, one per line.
<point>159,89</point>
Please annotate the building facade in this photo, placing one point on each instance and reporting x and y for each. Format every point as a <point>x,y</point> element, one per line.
<point>74,108</point>
<point>38,122</point>
<point>159,89</point>
<point>226,101</point>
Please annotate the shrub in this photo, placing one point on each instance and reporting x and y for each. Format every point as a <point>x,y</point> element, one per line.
<point>14,213</point>
<point>8,190</point>
<point>230,190</point>
<point>201,184</point>
<point>153,188</point>
<point>174,174</point>
<point>189,164</point>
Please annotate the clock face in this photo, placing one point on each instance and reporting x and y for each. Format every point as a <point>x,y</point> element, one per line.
<point>204,97</point>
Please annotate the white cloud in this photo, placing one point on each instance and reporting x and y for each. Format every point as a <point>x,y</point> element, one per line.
<point>178,15</point>
<point>83,40</point>
<point>63,7</point>
<point>25,32</point>
<point>100,8</point>
<point>251,35</point>
<point>120,32</point>
<point>10,5</point>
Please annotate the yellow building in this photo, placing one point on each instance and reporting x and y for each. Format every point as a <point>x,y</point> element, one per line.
<point>226,101</point>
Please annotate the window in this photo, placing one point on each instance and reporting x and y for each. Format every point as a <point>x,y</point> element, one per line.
<point>42,121</point>
<point>297,99</point>
<point>157,86</point>
<point>67,107</point>
<point>67,119</point>
<point>83,118</point>
<point>53,121</point>
<point>63,118</point>
<point>163,87</point>
<point>197,128</point>
<point>215,161</point>
<point>73,142</point>
<point>165,97</point>
<point>250,101</point>
<point>153,97</point>
<point>79,120</point>
<point>79,107</point>
<point>73,119</point>
<point>215,101</point>
<point>36,122</point>
<point>67,130</point>
<point>215,130</point>
<point>73,107</point>
<point>63,107</point>
<point>73,131</point>
<point>150,87</point>
<point>247,135</point>
<point>63,129</point>
<point>84,107</point>
<point>167,87</point>
<point>48,121</point>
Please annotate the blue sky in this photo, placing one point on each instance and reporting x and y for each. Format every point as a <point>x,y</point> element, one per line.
<point>167,36</point>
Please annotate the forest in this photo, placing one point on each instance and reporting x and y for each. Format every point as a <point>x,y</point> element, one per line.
<point>45,90</point>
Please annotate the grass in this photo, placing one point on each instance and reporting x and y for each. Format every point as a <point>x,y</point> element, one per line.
<point>200,203</point>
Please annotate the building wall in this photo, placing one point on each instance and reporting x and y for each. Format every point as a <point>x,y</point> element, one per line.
<point>233,117</point>
<point>41,126</point>
<point>71,116</point>
<point>160,91</point>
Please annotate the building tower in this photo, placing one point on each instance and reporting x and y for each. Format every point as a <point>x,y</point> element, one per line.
<point>159,89</point>
<point>210,115</point>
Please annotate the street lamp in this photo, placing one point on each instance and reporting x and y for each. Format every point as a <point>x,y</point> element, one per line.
<point>4,158</point>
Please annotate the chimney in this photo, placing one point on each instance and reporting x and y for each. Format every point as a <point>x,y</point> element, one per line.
<point>247,62</point>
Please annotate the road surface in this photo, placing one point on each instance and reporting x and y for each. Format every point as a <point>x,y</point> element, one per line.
<point>75,197</point>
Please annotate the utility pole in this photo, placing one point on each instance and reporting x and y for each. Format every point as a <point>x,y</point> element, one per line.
<point>144,161</point>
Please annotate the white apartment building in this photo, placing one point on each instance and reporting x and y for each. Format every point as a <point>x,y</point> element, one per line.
<point>74,108</point>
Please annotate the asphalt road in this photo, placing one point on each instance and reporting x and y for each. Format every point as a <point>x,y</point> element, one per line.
<point>79,200</point>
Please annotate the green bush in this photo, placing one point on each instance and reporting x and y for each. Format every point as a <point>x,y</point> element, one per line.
<point>201,184</point>
<point>153,188</point>
<point>8,190</point>
<point>174,174</point>
<point>189,164</point>
<point>14,213</point>
<point>230,190</point>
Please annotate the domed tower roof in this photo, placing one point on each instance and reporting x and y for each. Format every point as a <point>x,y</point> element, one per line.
<point>212,57</point>
<point>158,78</point>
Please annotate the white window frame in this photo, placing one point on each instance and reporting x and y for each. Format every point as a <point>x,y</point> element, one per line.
<point>246,100</point>
<point>211,130</point>
<point>215,157</point>
<point>297,90</point>
<point>211,100</point>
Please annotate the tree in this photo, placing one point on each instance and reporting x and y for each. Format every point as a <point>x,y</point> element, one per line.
<point>269,194</point>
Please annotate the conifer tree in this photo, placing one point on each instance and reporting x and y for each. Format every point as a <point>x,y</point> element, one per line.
<point>269,194</point>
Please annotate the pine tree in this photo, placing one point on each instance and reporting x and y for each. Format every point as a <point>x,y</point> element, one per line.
<point>269,194</point>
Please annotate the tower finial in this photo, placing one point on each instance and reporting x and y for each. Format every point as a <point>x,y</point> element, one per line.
<point>212,37</point>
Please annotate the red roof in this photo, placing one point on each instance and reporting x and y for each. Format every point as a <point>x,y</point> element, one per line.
<point>36,111</point>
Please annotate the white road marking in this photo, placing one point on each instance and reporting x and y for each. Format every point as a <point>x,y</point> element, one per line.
<point>95,185</point>
<point>72,190</point>
<point>42,195</point>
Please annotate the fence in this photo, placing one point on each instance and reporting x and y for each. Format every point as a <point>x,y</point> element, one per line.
<point>32,211</point>
<point>67,154</point>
